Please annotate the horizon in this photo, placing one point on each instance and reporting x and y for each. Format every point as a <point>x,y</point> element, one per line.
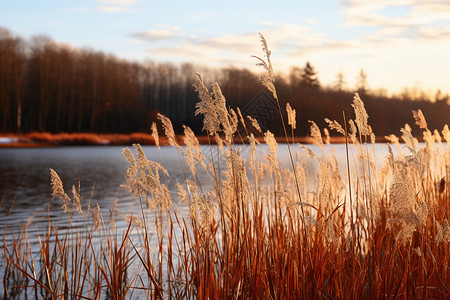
<point>399,46</point>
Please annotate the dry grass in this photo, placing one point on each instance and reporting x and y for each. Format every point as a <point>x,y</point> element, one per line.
<point>263,231</point>
<point>46,139</point>
<point>88,138</point>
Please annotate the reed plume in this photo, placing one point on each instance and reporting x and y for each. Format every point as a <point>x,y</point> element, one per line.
<point>291,114</point>
<point>361,115</point>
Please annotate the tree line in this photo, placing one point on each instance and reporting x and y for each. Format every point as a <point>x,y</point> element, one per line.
<point>47,86</point>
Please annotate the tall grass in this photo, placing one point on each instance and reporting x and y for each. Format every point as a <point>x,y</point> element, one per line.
<point>263,231</point>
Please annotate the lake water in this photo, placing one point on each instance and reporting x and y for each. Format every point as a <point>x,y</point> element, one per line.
<point>26,191</point>
<point>25,176</point>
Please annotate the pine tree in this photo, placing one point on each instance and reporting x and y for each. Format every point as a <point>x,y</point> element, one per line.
<point>340,81</point>
<point>309,79</point>
<point>361,82</point>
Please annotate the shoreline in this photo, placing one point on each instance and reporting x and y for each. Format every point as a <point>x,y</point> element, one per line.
<point>45,139</point>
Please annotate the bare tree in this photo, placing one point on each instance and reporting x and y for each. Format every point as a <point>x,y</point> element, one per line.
<point>11,80</point>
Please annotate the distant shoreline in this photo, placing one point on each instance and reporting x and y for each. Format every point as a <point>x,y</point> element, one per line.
<point>45,139</point>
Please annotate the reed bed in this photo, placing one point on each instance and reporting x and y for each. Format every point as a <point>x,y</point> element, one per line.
<point>55,139</point>
<point>263,231</point>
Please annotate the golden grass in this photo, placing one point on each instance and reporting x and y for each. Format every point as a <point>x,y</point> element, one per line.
<point>263,231</point>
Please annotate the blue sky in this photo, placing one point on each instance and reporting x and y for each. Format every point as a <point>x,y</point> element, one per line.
<point>399,43</point>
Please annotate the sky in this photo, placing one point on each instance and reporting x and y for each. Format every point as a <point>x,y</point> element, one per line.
<point>399,43</point>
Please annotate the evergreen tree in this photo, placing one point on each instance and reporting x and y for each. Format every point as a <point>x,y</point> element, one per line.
<point>361,82</point>
<point>340,81</point>
<point>309,79</point>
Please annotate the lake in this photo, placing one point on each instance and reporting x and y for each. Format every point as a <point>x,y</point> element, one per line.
<point>25,187</point>
<point>25,176</point>
<point>100,171</point>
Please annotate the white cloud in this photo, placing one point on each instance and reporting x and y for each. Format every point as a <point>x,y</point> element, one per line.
<point>310,21</point>
<point>232,43</point>
<point>163,34</point>
<point>227,49</point>
<point>438,33</point>
<point>267,23</point>
<point>415,23</point>
<point>434,6</point>
<point>155,35</point>
<point>415,12</point>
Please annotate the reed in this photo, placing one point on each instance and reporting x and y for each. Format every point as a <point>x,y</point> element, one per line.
<point>262,230</point>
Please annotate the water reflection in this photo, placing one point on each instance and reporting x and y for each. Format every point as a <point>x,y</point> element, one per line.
<point>25,177</point>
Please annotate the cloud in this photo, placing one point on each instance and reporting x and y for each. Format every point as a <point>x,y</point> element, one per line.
<point>285,41</point>
<point>164,34</point>
<point>438,33</point>
<point>401,14</point>
<point>155,35</point>
<point>310,21</point>
<point>290,43</point>
<point>267,23</point>
<point>406,24</point>
<point>231,43</point>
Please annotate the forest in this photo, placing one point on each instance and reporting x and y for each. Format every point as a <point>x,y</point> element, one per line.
<point>47,86</point>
